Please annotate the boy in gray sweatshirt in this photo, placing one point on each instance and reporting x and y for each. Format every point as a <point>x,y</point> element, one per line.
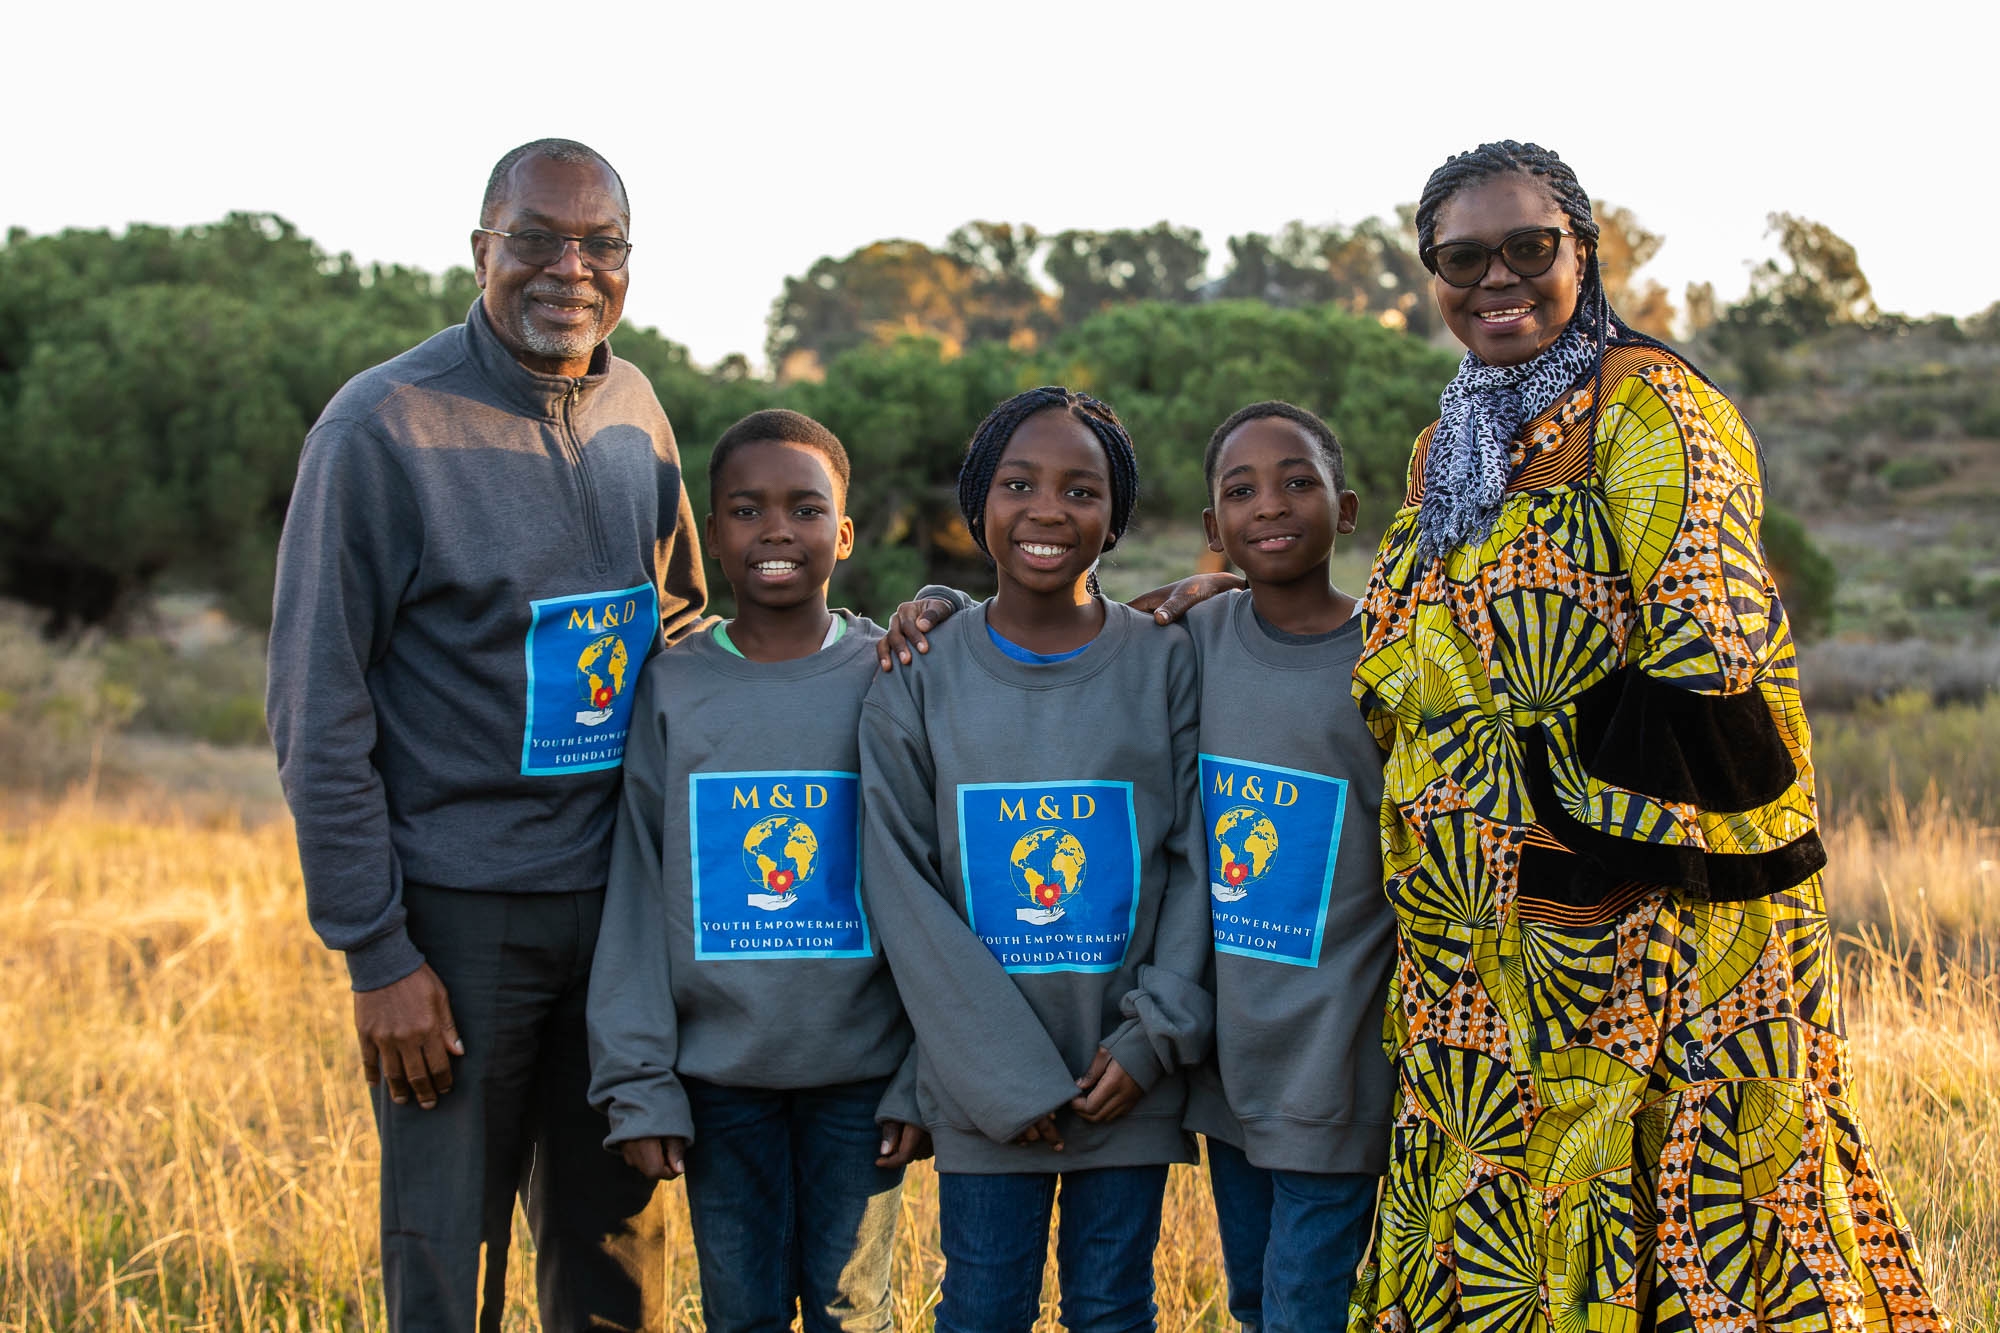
<point>1035,873</point>
<point>743,1025</point>
<point>1296,1103</point>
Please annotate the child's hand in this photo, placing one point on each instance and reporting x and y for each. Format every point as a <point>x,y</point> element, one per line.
<point>906,630</point>
<point>656,1159</point>
<point>1108,1091</point>
<point>1170,603</point>
<point>1043,1131</point>
<point>903,1143</point>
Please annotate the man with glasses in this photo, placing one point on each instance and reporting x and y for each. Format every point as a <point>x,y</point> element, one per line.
<point>488,538</point>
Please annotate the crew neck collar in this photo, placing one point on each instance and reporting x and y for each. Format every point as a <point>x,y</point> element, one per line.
<point>715,651</point>
<point>1109,642</point>
<point>836,628</point>
<point>1259,643</point>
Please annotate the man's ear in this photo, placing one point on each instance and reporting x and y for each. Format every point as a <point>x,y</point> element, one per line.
<point>1214,531</point>
<point>708,533</point>
<point>1350,512</point>
<point>843,545</point>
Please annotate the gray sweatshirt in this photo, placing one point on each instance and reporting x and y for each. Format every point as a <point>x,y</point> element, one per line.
<point>1035,871</point>
<point>1291,788</point>
<point>477,562</point>
<point>734,947</point>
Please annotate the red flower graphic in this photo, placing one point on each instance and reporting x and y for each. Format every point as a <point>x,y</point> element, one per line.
<point>1235,873</point>
<point>602,696</point>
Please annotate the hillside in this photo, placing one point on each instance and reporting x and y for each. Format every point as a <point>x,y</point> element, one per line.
<point>1886,443</point>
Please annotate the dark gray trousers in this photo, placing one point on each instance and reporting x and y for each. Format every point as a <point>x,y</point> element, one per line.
<point>517,970</point>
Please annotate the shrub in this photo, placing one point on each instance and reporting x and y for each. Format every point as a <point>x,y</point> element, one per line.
<point>1807,580</point>
<point>1935,577</point>
<point>1912,471</point>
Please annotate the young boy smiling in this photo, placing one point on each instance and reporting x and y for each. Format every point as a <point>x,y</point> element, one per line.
<point>743,1026</point>
<point>1296,1100</point>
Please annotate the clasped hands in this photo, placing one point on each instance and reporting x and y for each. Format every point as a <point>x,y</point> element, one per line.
<point>1105,1092</point>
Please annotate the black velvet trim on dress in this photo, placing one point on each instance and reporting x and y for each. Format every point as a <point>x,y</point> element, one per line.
<point>1721,752</point>
<point>1597,863</point>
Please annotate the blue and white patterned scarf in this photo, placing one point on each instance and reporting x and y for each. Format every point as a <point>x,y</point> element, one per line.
<point>1479,414</point>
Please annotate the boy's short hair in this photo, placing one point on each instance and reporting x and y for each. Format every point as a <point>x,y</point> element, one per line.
<point>784,426</point>
<point>1322,437</point>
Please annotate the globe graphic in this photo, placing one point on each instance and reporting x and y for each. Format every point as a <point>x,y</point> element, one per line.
<point>780,853</point>
<point>1245,841</point>
<point>600,670</point>
<point>1047,865</point>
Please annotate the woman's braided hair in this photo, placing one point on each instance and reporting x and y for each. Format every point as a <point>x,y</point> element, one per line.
<point>989,442</point>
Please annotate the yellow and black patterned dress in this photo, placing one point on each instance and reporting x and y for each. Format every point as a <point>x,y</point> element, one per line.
<point>1624,1100</point>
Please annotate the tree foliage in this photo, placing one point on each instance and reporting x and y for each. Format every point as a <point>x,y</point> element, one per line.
<point>156,385</point>
<point>1818,287</point>
<point>1807,580</point>
<point>1368,269</point>
<point>154,388</point>
<point>1624,246</point>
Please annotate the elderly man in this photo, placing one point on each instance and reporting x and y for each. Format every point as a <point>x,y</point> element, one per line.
<point>488,538</point>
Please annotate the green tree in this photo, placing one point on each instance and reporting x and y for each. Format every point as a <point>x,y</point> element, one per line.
<point>1095,270</point>
<point>881,292</point>
<point>1009,305</point>
<point>1807,581</point>
<point>1818,287</point>
<point>1174,372</point>
<point>1624,246</point>
<point>154,389</point>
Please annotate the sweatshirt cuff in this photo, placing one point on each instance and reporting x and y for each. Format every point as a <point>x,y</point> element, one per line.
<point>960,601</point>
<point>653,1110</point>
<point>1133,1050</point>
<point>1169,1025</point>
<point>899,1099</point>
<point>381,962</point>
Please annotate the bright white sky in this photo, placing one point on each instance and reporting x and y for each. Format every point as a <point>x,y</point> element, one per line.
<point>757,137</point>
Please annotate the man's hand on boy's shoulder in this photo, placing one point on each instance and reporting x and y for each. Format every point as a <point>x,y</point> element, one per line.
<point>903,1143</point>
<point>907,628</point>
<point>656,1158</point>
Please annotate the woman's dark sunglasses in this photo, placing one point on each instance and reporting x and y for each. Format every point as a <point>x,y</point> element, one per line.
<point>1529,252</point>
<point>605,254</point>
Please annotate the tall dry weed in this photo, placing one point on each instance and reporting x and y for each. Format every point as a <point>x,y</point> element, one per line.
<point>185,1143</point>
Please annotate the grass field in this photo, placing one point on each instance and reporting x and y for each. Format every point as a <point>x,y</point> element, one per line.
<point>184,1143</point>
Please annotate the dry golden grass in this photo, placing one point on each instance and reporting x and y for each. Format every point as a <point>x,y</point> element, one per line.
<point>184,1143</point>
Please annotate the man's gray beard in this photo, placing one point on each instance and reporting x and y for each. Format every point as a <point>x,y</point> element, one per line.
<point>557,345</point>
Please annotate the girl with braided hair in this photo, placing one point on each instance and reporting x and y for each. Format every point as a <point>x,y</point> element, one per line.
<point>1624,1088</point>
<point>1036,873</point>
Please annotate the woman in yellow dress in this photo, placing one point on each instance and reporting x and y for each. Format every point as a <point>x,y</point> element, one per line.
<point>1624,1085</point>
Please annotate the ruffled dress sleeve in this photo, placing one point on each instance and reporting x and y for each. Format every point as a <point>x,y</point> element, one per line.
<point>1702,721</point>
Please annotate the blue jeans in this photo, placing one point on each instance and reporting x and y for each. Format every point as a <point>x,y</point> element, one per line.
<point>1291,1241</point>
<point>789,1209</point>
<point>995,1236</point>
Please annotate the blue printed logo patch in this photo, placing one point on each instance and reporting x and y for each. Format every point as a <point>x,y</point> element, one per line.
<point>584,656</point>
<point>1051,872</point>
<point>776,869</point>
<point>1273,836</point>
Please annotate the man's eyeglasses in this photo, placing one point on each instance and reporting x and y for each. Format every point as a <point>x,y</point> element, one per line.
<point>605,254</point>
<point>1529,252</point>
